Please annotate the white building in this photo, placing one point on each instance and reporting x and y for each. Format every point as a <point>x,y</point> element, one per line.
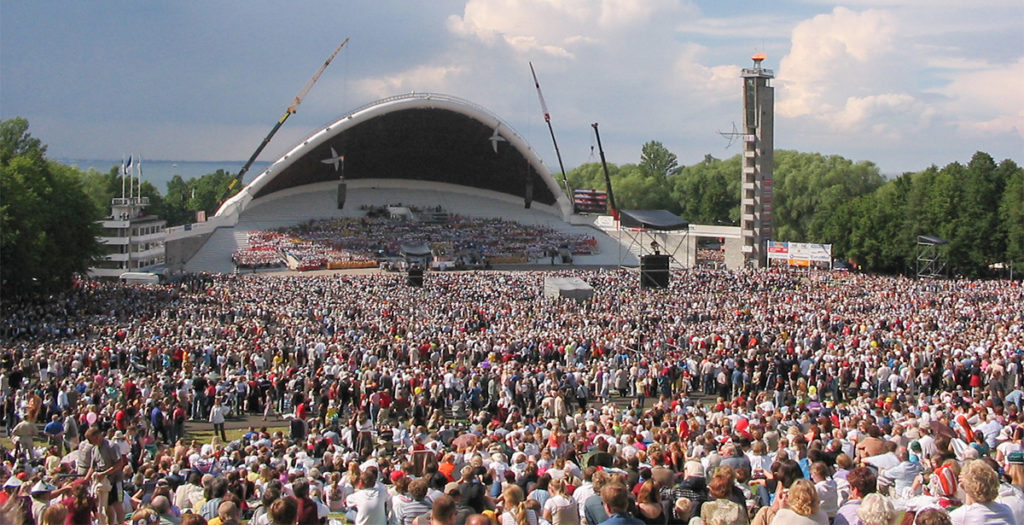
<point>133,240</point>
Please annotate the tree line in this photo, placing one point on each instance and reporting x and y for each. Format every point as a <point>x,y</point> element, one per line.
<point>871,221</point>
<point>48,210</point>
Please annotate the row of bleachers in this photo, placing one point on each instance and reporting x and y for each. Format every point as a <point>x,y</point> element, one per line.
<point>315,244</point>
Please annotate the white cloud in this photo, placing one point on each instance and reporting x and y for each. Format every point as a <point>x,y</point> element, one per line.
<point>556,27</point>
<point>753,27</point>
<point>421,78</point>
<point>616,13</point>
<point>708,83</point>
<point>863,72</point>
<point>987,100</point>
<point>548,26</point>
<point>833,57</point>
<point>888,115</point>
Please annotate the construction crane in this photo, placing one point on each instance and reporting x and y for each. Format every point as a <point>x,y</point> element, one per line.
<point>607,177</point>
<point>291,110</point>
<point>547,118</point>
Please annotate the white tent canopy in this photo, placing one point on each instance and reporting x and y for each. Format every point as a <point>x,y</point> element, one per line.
<point>571,287</point>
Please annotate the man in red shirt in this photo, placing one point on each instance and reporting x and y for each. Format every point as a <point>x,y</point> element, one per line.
<point>385,406</point>
<point>121,418</point>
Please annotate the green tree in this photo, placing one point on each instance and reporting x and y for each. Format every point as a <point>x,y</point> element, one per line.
<point>1011,213</point>
<point>209,189</point>
<point>976,239</point>
<point>708,192</point>
<point>808,185</point>
<point>47,229</point>
<point>636,191</point>
<point>657,161</point>
<point>590,176</point>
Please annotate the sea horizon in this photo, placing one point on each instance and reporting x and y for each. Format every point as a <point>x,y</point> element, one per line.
<point>160,172</point>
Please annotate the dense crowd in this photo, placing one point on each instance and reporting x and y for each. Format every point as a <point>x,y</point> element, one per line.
<point>766,397</point>
<point>316,243</point>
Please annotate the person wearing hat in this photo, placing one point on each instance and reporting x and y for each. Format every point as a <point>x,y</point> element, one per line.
<point>10,489</point>
<point>42,493</point>
<point>17,502</point>
<point>1011,492</point>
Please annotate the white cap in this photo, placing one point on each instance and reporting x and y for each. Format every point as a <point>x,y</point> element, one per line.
<point>42,486</point>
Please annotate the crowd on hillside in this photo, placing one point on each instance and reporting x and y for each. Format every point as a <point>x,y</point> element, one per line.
<point>319,242</point>
<point>767,397</point>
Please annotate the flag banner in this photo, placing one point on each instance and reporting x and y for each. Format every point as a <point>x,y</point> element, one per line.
<point>778,250</point>
<point>799,253</point>
<point>810,252</point>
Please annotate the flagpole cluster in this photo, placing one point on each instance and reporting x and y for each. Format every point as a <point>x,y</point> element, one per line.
<point>131,175</point>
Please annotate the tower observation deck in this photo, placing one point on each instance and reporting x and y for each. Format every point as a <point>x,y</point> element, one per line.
<point>758,158</point>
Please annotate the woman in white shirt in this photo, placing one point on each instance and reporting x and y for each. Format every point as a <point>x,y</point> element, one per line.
<point>559,508</point>
<point>514,505</point>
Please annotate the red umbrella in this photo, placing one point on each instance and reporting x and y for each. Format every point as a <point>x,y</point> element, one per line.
<point>465,440</point>
<point>941,429</point>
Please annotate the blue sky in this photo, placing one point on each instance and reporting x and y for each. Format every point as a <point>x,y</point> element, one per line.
<point>902,83</point>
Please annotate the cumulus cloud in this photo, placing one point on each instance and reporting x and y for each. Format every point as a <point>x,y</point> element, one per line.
<point>862,71</point>
<point>887,115</point>
<point>549,26</point>
<point>553,27</point>
<point>987,99</point>
<point>710,83</point>
<point>831,59</point>
<point>422,78</point>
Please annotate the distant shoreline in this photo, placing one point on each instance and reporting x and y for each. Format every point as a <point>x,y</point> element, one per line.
<point>160,172</point>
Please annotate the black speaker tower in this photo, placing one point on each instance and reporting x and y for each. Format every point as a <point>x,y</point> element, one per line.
<point>415,277</point>
<point>654,271</point>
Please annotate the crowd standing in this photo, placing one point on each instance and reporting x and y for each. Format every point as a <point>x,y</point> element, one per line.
<point>768,397</point>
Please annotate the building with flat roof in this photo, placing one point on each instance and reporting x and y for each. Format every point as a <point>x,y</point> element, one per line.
<point>132,240</point>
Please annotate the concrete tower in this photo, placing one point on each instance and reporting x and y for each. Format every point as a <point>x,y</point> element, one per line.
<point>758,158</point>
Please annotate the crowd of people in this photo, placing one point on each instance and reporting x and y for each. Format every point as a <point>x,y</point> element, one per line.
<point>768,397</point>
<point>315,244</point>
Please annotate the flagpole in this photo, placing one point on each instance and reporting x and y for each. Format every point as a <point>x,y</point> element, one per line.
<point>131,180</point>
<point>122,175</point>
<point>140,175</point>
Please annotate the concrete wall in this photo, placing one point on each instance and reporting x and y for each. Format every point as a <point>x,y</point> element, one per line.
<point>179,251</point>
<point>733,253</point>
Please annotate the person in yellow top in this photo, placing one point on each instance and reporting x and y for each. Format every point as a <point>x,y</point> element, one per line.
<point>227,514</point>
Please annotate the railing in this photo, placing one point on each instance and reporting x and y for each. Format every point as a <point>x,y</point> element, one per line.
<point>129,201</point>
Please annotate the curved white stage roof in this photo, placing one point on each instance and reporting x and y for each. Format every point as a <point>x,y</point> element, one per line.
<point>420,136</point>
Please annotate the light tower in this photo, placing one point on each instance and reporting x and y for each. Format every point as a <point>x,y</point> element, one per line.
<point>758,157</point>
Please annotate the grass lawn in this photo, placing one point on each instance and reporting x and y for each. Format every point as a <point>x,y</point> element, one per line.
<point>202,436</point>
<point>206,436</point>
